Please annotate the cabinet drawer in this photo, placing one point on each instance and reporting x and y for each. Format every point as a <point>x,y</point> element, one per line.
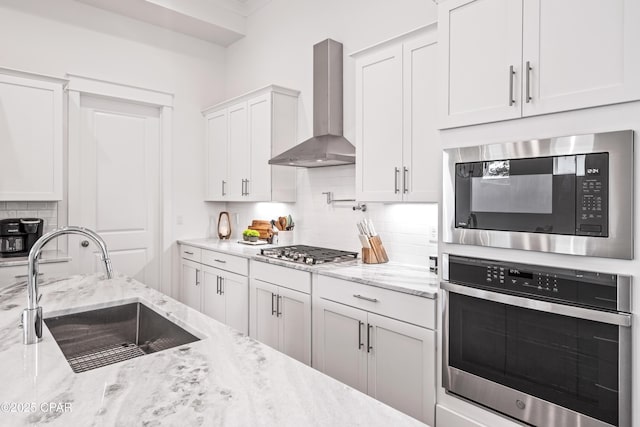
<point>224,261</point>
<point>291,278</point>
<point>190,252</point>
<point>397,305</point>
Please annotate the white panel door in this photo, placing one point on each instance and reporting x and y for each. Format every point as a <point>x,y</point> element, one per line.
<point>340,343</point>
<point>379,125</point>
<point>217,156</point>
<point>213,304</point>
<point>259,134</point>
<point>264,322</point>
<point>235,291</point>
<point>190,289</point>
<point>31,139</point>
<point>294,311</point>
<point>119,173</point>
<point>480,41</point>
<point>402,367</point>
<point>581,53</point>
<point>239,152</point>
<point>421,149</point>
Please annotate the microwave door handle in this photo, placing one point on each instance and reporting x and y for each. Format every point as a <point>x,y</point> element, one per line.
<point>619,319</point>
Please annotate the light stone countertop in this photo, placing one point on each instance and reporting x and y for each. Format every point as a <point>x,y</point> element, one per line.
<point>410,279</point>
<point>226,379</point>
<point>46,257</point>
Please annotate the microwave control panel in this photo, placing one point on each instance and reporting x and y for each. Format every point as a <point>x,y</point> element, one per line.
<point>591,289</point>
<point>592,195</point>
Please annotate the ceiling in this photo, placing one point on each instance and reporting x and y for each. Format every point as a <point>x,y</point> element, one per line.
<point>218,21</point>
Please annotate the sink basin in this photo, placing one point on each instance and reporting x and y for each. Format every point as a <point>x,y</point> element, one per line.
<point>96,338</point>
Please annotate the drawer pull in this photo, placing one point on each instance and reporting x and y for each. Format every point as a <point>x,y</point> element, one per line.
<point>24,276</point>
<point>220,261</point>
<point>365,298</point>
<point>188,253</point>
<point>369,346</point>
<point>360,344</point>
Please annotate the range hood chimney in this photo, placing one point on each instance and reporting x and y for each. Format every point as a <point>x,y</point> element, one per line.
<point>327,147</point>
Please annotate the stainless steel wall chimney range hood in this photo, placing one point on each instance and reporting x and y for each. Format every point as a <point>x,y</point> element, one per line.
<point>327,147</point>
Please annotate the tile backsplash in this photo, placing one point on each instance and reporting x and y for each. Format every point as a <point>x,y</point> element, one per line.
<point>48,211</point>
<point>408,230</point>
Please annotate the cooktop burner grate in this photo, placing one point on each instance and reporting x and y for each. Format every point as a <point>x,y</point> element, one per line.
<point>308,254</point>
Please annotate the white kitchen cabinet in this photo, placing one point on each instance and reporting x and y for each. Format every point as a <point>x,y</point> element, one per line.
<point>242,135</point>
<point>13,274</point>
<point>280,309</point>
<point>390,359</point>
<point>31,136</point>
<point>397,148</point>
<point>505,59</point>
<point>448,418</point>
<point>225,297</point>
<point>216,284</point>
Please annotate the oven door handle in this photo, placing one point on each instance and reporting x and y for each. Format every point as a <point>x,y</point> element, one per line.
<point>620,319</point>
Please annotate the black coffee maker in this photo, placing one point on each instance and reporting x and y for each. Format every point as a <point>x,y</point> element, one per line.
<point>17,235</point>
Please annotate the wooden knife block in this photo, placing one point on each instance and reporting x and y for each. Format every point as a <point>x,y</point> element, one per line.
<point>376,254</point>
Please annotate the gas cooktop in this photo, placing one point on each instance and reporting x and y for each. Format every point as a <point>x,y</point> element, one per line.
<point>308,254</point>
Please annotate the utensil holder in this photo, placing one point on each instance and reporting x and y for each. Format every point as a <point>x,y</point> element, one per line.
<point>376,254</point>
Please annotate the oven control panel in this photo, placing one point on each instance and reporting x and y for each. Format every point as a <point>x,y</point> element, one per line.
<point>592,289</point>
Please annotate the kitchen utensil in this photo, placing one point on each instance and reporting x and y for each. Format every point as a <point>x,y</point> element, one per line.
<point>283,222</point>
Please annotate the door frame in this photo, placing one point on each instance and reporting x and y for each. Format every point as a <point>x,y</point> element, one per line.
<point>83,85</point>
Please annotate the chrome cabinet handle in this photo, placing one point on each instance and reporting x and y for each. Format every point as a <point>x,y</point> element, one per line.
<point>405,178</point>
<point>527,85</point>
<point>188,253</point>
<point>511,74</point>
<point>223,184</point>
<point>197,277</point>
<point>397,178</point>
<point>22,276</point>
<point>246,187</point>
<point>242,188</point>
<point>360,344</point>
<point>221,285</point>
<point>217,285</point>
<point>85,244</point>
<point>365,298</point>
<point>278,309</point>
<point>220,261</point>
<point>273,310</point>
<point>369,346</point>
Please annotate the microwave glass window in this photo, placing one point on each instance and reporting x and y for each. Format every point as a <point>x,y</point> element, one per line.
<point>512,194</point>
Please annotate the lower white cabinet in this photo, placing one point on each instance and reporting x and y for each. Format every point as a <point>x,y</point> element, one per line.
<point>18,273</point>
<point>218,293</point>
<point>391,360</point>
<point>225,297</point>
<point>279,315</point>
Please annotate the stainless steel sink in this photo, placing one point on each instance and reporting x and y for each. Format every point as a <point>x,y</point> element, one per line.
<point>96,338</point>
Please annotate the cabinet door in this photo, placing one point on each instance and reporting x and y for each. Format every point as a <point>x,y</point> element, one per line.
<point>379,125</point>
<point>259,134</point>
<point>480,42</point>
<point>401,367</point>
<point>239,152</point>
<point>235,291</point>
<point>190,292</point>
<point>213,303</point>
<point>582,53</point>
<point>340,342</point>
<point>217,156</point>
<point>421,148</point>
<point>31,139</point>
<point>264,325</point>
<point>294,311</point>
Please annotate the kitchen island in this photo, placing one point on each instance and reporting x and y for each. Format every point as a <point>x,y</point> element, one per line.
<point>225,379</point>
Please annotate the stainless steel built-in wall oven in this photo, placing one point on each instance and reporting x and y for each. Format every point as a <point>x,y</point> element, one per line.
<point>547,346</point>
<point>569,195</point>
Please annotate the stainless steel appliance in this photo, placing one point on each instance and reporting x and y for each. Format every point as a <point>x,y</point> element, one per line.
<point>547,346</point>
<point>310,255</point>
<point>17,235</point>
<point>570,195</point>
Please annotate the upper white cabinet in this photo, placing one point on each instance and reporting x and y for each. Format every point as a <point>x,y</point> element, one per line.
<point>31,136</point>
<point>242,135</point>
<point>504,59</point>
<point>397,149</point>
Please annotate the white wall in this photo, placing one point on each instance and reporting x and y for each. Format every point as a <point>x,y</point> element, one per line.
<point>278,49</point>
<point>65,36</point>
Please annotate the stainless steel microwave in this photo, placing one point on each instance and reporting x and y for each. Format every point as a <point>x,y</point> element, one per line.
<point>571,195</point>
